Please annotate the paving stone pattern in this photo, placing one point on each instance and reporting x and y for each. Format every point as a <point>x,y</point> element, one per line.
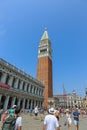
<point>30,123</point>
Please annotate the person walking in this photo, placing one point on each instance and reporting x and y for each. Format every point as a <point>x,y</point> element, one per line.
<point>68,119</point>
<point>13,121</point>
<point>76,118</point>
<point>50,121</point>
<point>56,113</point>
<point>1,112</point>
<point>4,116</point>
<point>36,112</point>
<point>30,111</point>
<point>18,124</point>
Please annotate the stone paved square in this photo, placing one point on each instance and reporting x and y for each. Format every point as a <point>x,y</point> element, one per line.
<point>30,123</point>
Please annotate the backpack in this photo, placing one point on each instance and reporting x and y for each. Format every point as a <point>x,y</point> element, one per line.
<point>9,123</point>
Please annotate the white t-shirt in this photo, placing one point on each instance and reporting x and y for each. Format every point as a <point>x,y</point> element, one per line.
<point>36,110</point>
<point>18,122</point>
<point>51,122</point>
<point>68,118</point>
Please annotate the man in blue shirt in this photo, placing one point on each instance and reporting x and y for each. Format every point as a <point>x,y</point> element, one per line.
<point>76,118</point>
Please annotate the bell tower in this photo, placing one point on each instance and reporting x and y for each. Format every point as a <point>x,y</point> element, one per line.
<point>44,68</point>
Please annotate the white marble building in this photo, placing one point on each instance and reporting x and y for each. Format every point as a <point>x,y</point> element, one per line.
<point>68,100</point>
<point>18,87</point>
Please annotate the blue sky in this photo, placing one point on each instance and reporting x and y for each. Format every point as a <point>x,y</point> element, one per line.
<point>22,23</point>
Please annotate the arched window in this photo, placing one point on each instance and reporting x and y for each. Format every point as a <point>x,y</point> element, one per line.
<point>42,93</point>
<point>23,85</point>
<point>19,84</point>
<point>27,87</point>
<point>34,90</point>
<point>7,79</point>
<point>31,89</point>
<point>37,91</point>
<point>13,82</point>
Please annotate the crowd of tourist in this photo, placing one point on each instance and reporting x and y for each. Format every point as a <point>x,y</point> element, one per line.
<point>10,119</point>
<point>51,118</point>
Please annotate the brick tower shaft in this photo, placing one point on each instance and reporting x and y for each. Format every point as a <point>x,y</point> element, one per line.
<point>44,69</point>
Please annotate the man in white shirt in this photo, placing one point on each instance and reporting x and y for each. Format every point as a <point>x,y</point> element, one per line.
<point>18,124</point>
<point>36,112</point>
<point>50,121</point>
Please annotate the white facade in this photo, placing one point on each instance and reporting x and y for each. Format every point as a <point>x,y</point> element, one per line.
<point>17,87</point>
<point>68,101</point>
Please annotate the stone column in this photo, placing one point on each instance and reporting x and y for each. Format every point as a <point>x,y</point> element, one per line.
<point>0,97</point>
<point>21,85</point>
<point>13,101</point>
<point>32,89</point>
<point>6,102</point>
<point>27,103</point>
<point>31,103</point>
<point>36,91</point>
<point>40,104</point>
<point>25,87</point>
<point>34,103</point>
<point>16,84</point>
<point>23,104</point>
<point>3,78</point>
<point>19,101</point>
<point>37,103</point>
<point>29,88</point>
<point>10,81</point>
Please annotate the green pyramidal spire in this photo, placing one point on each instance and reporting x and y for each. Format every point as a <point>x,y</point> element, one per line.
<point>45,35</point>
